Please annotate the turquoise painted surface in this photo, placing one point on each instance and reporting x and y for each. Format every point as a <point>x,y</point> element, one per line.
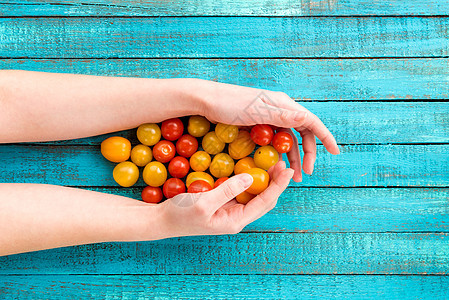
<point>382,207</point>
<point>205,37</point>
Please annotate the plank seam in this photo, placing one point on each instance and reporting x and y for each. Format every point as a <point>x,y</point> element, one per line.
<point>368,16</point>
<point>229,57</point>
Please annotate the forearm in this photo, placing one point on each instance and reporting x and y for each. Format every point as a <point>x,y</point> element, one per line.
<point>46,106</point>
<point>35,217</point>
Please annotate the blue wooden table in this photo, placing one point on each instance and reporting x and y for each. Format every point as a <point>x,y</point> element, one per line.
<point>371,222</point>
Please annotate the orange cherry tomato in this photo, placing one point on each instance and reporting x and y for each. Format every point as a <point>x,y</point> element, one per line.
<point>200,161</point>
<point>220,181</point>
<point>244,197</point>
<point>242,146</point>
<point>226,133</point>
<point>198,126</point>
<point>199,186</point>
<point>222,165</point>
<point>154,174</point>
<point>149,134</point>
<point>212,144</point>
<point>244,165</point>
<point>152,194</point>
<point>126,173</point>
<point>141,155</point>
<point>266,157</point>
<point>260,180</point>
<point>194,176</point>
<point>116,149</point>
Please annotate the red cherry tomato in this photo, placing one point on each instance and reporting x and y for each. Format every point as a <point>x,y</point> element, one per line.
<point>282,142</point>
<point>187,145</point>
<point>152,194</point>
<point>178,167</point>
<point>172,129</point>
<point>262,134</point>
<point>164,151</point>
<point>220,181</point>
<point>173,187</point>
<point>199,186</point>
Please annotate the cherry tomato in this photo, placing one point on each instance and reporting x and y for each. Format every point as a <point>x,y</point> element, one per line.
<point>212,144</point>
<point>200,161</point>
<point>226,133</point>
<point>152,194</point>
<point>154,174</point>
<point>186,145</point>
<point>141,155</point>
<point>242,146</point>
<point>244,165</point>
<point>178,167</point>
<point>282,142</point>
<point>194,176</point>
<point>172,129</point>
<point>198,126</point>
<point>265,157</point>
<point>126,173</point>
<point>149,134</point>
<point>116,149</point>
<point>173,187</point>
<point>244,197</point>
<point>260,180</point>
<point>222,165</point>
<point>199,186</point>
<point>220,181</point>
<point>164,151</point>
<point>262,134</point>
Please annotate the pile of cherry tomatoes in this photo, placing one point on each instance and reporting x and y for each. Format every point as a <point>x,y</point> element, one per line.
<point>195,159</point>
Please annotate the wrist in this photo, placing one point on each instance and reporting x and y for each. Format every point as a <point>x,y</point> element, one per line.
<point>189,93</point>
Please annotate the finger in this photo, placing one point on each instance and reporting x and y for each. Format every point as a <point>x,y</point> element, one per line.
<point>274,170</point>
<point>227,191</point>
<point>284,117</point>
<point>294,156</point>
<point>309,147</point>
<point>314,124</point>
<point>266,200</point>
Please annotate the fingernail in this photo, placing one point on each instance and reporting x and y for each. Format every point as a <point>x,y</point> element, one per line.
<point>300,116</point>
<point>247,180</point>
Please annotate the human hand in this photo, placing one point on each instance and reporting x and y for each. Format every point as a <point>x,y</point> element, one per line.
<point>216,211</point>
<point>244,106</point>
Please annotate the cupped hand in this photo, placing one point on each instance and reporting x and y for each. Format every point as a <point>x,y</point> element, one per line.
<point>217,212</point>
<point>244,106</point>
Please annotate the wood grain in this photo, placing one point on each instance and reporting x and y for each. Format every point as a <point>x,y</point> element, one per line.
<point>347,210</point>
<point>241,37</point>
<point>363,165</point>
<point>223,286</point>
<point>248,253</point>
<point>302,79</point>
<point>224,8</point>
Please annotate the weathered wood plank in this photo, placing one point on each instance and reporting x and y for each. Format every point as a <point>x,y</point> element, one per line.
<point>303,79</point>
<point>348,210</point>
<point>362,165</point>
<point>224,8</point>
<point>224,286</point>
<point>240,37</point>
<point>248,253</point>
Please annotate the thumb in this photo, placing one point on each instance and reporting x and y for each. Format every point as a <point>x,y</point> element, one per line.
<point>228,190</point>
<point>287,118</point>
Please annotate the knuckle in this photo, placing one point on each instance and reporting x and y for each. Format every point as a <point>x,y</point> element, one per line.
<point>235,228</point>
<point>231,190</point>
<point>285,115</point>
<point>201,209</point>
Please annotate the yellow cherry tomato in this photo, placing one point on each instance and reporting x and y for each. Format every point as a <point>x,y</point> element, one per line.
<point>126,174</point>
<point>194,176</point>
<point>154,174</point>
<point>222,165</point>
<point>260,180</point>
<point>244,165</point>
<point>242,146</point>
<point>141,155</point>
<point>226,133</point>
<point>244,197</point>
<point>200,161</point>
<point>212,144</point>
<point>265,157</point>
<point>116,149</point>
<point>198,126</point>
<point>149,134</point>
